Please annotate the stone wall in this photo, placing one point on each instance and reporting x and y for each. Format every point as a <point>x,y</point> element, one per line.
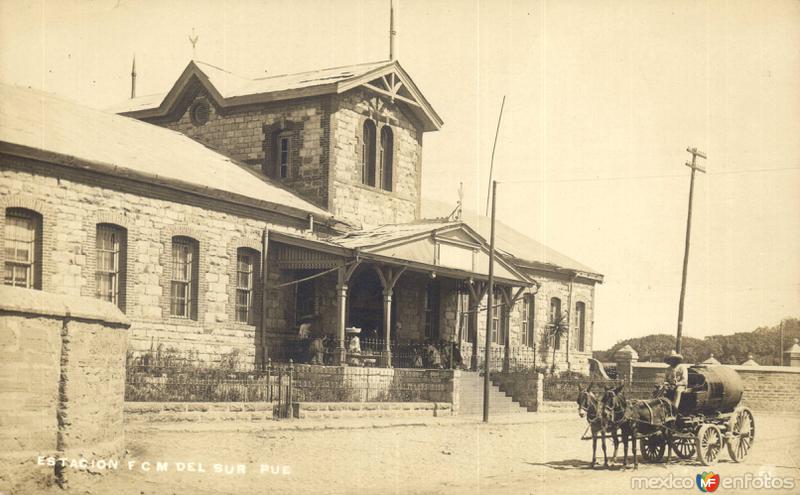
<point>197,412</point>
<point>350,198</point>
<point>61,380</point>
<point>71,208</point>
<point>766,388</point>
<point>248,134</point>
<point>355,384</point>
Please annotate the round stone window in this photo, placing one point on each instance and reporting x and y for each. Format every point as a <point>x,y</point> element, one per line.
<point>199,113</point>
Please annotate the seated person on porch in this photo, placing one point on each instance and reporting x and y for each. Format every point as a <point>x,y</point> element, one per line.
<point>306,326</point>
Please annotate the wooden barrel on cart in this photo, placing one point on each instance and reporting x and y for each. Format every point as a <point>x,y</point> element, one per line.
<point>713,389</point>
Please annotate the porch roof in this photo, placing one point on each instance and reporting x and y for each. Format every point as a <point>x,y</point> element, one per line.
<point>447,248</point>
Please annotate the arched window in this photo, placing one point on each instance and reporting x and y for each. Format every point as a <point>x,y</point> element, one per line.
<point>110,276</point>
<point>555,316</point>
<point>247,273</point>
<point>387,154</point>
<point>580,323</point>
<point>368,170</point>
<point>22,245</point>
<point>184,283</point>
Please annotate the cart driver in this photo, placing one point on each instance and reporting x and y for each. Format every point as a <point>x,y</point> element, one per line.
<point>676,378</point>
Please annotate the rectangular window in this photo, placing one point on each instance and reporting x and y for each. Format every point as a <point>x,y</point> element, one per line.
<point>184,278</point>
<point>527,321</point>
<point>462,306</point>
<point>110,267</point>
<point>555,317</point>
<point>497,331</point>
<point>283,157</point>
<point>244,287</point>
<point>21,247</point>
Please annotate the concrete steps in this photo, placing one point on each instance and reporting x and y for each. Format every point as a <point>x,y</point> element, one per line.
<point>471,398</point>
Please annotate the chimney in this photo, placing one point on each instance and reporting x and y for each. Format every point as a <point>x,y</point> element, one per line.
<point>133,78</point>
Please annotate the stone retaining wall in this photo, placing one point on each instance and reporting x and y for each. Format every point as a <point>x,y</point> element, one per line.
<point>337,410</point>
<point>62,380</point>
<point>166,412</point>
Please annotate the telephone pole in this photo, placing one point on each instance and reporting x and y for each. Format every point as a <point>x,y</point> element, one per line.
<point>695,167</point>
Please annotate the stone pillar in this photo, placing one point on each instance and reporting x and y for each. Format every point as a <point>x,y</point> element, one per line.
<point>539,390</point>
<point>341,353</point>
<point>387,327</point>
<point>625,358</point>
<point>792,355</point>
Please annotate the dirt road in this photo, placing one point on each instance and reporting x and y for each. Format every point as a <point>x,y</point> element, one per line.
<point>543,455</point>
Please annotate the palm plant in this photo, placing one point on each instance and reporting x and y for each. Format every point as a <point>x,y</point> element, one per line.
<point>556,330</point>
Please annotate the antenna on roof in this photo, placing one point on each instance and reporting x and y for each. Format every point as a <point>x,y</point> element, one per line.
<point>133,77</point>
<point>392,32</point>
<point>193,40</point>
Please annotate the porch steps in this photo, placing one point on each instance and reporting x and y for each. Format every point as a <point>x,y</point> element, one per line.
<point>471,397</point>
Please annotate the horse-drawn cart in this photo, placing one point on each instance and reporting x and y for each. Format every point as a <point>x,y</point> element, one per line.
<point>709,418</point>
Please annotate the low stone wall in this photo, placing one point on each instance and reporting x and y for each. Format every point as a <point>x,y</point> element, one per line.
<point>62,378</point>
<point>197,412</point>
<point>766,388</point>
<point>355,384</point>
<point>338,410</point>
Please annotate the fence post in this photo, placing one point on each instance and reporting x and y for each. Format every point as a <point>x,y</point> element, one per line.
<point>289,406</point>
<point>625,359</point>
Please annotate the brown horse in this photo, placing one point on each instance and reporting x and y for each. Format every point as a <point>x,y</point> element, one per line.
<point>634,417</point>
<point>590,405</point>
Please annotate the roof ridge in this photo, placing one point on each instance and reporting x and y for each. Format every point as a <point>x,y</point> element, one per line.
<point>387,62</point>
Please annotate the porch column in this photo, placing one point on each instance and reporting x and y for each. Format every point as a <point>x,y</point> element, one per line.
<point>341,293</point>
<point>387,327</point>
<point>344,273</point>
<point>473,330</point>
<point>388,277</point>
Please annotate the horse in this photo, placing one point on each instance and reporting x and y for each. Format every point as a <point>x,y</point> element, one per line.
<point>649,417</point>
<point>590,405</point>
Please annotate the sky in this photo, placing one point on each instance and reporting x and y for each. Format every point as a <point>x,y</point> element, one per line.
<point>602,99</point>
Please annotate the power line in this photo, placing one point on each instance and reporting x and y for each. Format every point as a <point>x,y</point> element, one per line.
<point>644,177</point>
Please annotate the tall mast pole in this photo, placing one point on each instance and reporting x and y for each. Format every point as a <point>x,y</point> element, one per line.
<point>489,310</point>
<point>695,167</point>
<point>494,146</point>
<point>392,32</point>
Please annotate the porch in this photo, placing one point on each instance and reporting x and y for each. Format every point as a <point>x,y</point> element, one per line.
<point>403,296</point>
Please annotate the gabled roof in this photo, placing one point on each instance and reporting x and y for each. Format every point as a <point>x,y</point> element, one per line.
<point>418,245</point>
<point>524,250</point>
<point>228,89</point>
<point>35,124</point>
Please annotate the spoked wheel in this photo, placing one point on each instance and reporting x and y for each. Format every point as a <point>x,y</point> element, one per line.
<point>708,443</point>
<point>683,446</point>
<point>742,430</point>
<point>653,447</point>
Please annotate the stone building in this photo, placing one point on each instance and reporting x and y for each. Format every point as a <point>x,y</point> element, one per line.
<point>222,215</point>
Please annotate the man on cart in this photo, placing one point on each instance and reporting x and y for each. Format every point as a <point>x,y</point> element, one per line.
<point>676,379</point>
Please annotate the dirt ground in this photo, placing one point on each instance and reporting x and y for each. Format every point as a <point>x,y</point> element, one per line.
<point>541,455</point>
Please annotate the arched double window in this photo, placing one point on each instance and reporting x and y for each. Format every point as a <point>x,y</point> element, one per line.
<point>368,170</point>
<point>377,156</point>
<point>22,246</point>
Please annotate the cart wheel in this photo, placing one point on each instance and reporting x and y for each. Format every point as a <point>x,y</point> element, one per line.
<point>653,448</point>
<point>708,443</point>
<point>683,446</point>
<point>741,429</point>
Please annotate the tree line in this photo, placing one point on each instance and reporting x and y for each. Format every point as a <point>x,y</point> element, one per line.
<point>763,343</point>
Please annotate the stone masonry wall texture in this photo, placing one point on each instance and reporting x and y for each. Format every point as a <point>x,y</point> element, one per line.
<point>73,208</point>
<point>62,379</point>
